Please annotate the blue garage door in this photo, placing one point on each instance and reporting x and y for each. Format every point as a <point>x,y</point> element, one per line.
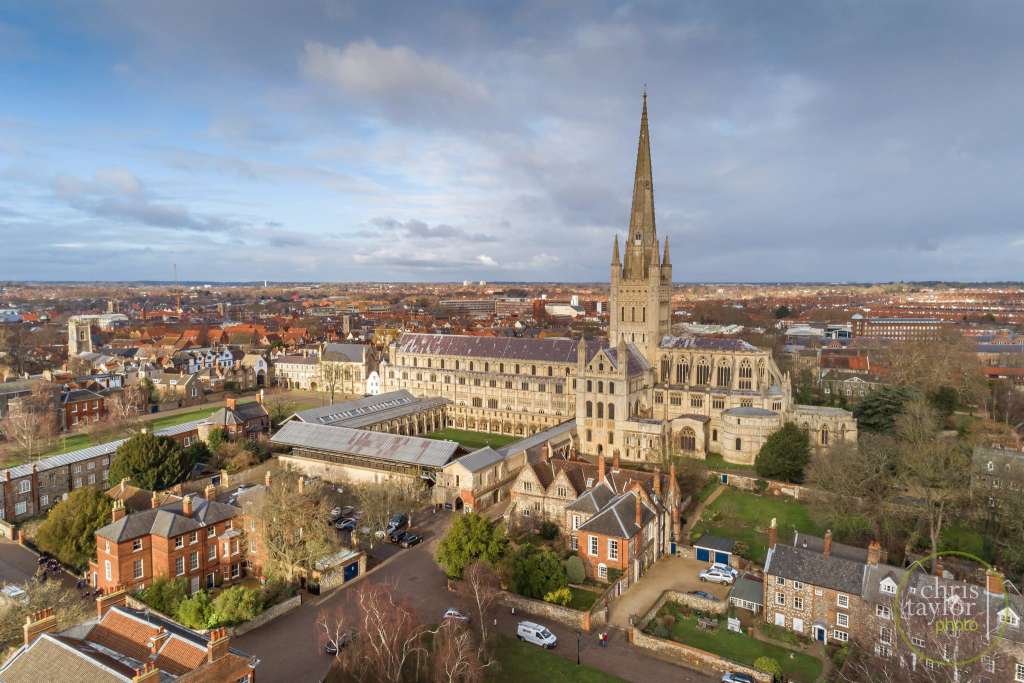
<point>352,571</point>
<point>703,554</point>
<point>722,558</point>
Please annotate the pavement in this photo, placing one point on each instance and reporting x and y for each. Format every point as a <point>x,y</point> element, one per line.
<point>18,564</point>
<point>288,647</point>
<point>669,573</point>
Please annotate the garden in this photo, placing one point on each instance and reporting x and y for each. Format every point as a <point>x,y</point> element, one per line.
<point>744,517</point>
<point>209,609</point>
<point>524,662</point>
<point>706,632</point>
<point>472,440</point>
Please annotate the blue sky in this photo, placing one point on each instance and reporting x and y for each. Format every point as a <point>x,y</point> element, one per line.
<point>419,141</point>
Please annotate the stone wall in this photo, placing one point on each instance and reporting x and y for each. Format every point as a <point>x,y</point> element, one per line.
<point>563,615</point>
<point>775,488</point>
<point>690,656</point>
<point>268,615</point>
<point>694,602</point>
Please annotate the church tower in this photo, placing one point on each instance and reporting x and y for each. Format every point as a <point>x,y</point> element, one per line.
<point>641,279</point>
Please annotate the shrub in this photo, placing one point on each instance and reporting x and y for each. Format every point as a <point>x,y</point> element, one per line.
<point>151,462</point>
<point>165,595</point>
<point>196,611</point>
<point>661,631</point>
<point>471,537</point>
<point>562,596</point>
<point>235,605</point>
<point>669,621</point>
<point>534,572</point>
<point>768,666</point>
<point>276,591</point>
<point>69,530</point>
<point>575,572</point>
<point>761,485</point>
<point>548,530</point>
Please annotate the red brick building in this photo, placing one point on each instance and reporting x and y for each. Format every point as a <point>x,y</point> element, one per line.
<point>80,407</point>
<point>241,420</point>
<point>196,538</point>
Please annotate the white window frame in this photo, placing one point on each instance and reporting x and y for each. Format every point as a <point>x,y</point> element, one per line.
<point>179,566</point>
<point>1018,669</point>
<point>138,569</point>
<point>613,549</point>
<point>602,570</point>
<point>25,486</point>
<point>843,600</point>
<point>211,552</point>
<point>107,570</point>
<point>883,611</point>
<point>780,599</point>
<point>843,619</point>
<point>593,546</point>
<point>841,636</point>
<point>20,508</point>
<point>179,542</point>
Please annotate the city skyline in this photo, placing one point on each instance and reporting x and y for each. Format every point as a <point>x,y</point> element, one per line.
<point>329,143</point>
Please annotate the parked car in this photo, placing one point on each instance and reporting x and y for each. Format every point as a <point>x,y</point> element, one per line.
<point>717,576</point>
<point>725,567</point>
<point>343,640</point>
<point>410,540</point>
<point>336,512</point>
<point>530,632</point>
<point>347,524</point>
<point>704,594</point>
<point>346,511</point>
<point>399,521</point>
<point>396,536</point>
<point>737,677</point>
<point>452,613</point>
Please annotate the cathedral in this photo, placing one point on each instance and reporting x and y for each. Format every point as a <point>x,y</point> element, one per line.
<point>642,393</point>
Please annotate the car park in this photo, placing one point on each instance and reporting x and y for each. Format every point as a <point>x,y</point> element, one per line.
<point>717,576</point>
<point>409,540</point>
<point>399,521</point>
<point>396,536</point>
<point>536,634</point>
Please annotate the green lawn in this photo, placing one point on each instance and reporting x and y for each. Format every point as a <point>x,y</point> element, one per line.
<point>741,648</point>
<point>714,461</point>
<point>582,600</point>
<point>744,516</point>
<point>521,662</point>
<point>709,487</point>
<point>472,440</point>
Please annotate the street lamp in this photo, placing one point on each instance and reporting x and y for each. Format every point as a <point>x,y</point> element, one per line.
<point>577,647</point>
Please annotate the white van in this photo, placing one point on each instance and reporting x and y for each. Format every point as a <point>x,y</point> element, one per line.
<point>536,634</point>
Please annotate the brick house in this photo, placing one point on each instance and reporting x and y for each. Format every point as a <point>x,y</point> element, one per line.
<point>80,407</point>
<point>626,534</point>
<point>241,420</point>
<point>195,537</point>
<point>124,644</point>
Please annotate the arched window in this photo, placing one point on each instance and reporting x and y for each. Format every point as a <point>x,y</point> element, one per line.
<point>824,435</point>
<point>600,410</point>
<point>666,368</point>
<point>643,313</point>
<point>761,371</point>
<point>746,375</point>
<point>611,387</point>
<point>611,411</point>
<point>724,375</point>
<point>703,371</point>
<point>683,373</point>
<point>590,409</point>
<point>687,439</point>
<point>632,314</point>
<point>600,387</point>
<point>590,385</point>
<point>636,408</point>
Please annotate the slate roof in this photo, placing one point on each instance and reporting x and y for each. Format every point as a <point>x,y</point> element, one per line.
<point>723,545</point>
<point>636,362</point>
<point>799,564</point>
<point>480,459</point>
<point>618,518</point>
<point>76,395</point>
<point>167,520</point>
<point>241,413</point>
<point>748,588</point>
<point>592,500</point>
<point>554,350</point>
<point>345,353</point>
<point>567,427</point>
<point>297,360</point>
<point>411,450</point>
<point>705,343</point>
<point>55,658</point>
<point>369,410</point>
<point>817,544</point>
<point>749,411</point>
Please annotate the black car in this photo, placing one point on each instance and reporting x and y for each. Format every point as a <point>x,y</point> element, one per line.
<point>396,536</point>
<point>331,648</point>
<point>409,540</point>
<point>399,521</point>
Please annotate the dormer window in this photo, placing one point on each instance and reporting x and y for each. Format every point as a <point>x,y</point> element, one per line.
<point>1008,617</point>
<point>590,482</point>
<point>888,586</point>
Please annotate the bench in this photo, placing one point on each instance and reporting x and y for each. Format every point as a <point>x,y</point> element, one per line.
<point>707,624</point>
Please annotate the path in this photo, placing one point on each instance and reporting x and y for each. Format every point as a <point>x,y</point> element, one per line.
<point>694,516</point>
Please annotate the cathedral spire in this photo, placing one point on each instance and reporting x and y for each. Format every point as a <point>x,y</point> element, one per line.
<point>641,243</point>
<point>664,259</point>
<point>615,252</point>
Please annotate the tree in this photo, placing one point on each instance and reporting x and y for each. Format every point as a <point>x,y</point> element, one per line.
<point>67,604</point>
<point>196,611</point>
<point>380,501</point>
<point>34,421</point>
<point>877,412</point>
<point>943,400</point>
<point>575,572</point>
<point>471,537</point>
<point>198,452</point>
<point>236,605</point>
<point>785,454</point>
<point>293,526</point>
<point>454,655</point>
<point>534,572</point>
<point>217,438</point>
<point>926,365</point>
<point>69,530</point>
<point>235,456</point>
<point>280,407</point>
<point>165,594</point>
<point>333,630</point>
<point>783,311</point>
<point>481,585</point>
<point>768,666</point>
<point>151,462</point>
<point>331,374</point>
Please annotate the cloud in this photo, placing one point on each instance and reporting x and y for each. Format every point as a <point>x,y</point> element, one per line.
<point>418,230</point>
<point>486,260</point>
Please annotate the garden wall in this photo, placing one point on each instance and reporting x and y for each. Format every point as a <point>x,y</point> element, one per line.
<point>775,488</point>
<point>694,602</point>
<point>690,656</point>
<point>268,615</point>
<point>563,615</point>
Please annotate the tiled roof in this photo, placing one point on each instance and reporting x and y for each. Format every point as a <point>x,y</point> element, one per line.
<point>618,517</point>
<point>411,450</point>
<point>241,413</point>
<point>55,658</point>
<point>817,544</point>
<point>711,542</point>
<point>748,588</point>
<point>167,520</point>
<point>559,350</point>
<point>345,353</point>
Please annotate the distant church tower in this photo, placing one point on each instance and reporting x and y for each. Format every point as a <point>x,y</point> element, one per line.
<point>641,283</point>
<point>79,337</point>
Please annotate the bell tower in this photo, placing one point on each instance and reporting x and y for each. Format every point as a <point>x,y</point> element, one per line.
<point>641,279</point>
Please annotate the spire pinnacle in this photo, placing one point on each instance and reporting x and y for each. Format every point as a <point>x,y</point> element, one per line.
<point>641,243</point>
<point>615,251</point>
<point>664,259</point>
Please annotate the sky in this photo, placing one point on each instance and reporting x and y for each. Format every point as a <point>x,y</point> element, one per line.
<point>392,141</point>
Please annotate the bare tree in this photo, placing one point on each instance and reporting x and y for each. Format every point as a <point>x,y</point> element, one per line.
<point>280,407</point>
<point>334,630</point>
<point>379,501</point>
<point>34,421</point>
<point>390,646</point>
<point>455,658</point>
<point>293,526</point>
<point>330,374</point>
<point>928,365</point>
<point>483,587</point>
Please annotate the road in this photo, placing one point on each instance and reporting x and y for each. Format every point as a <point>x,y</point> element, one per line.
<point>288,647</point>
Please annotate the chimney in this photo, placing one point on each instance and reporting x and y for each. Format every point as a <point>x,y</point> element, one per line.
<point>38,623</point>
<point>230,403</point>
<point>210,492</point>
<point>266,479</point>
<point>186,506</point>
<point>154,500</point>
<point>600,469</point>
<point>938,569</point>
<point>124,483</point>
<point>672,485</point>
<point>677,523</point>
<point>112,597</point>
<point>639,511</point>
<point>874,553</point>
<point>147,674</point>
<point>157,641</point>
<point>118,511</point>
<point>218,645</point>
<point>773,533</point>
<point>259,397</point>
<point>657,481</point>
<point>994,582</point>
<point>615,460</point>
<point>826,550</point>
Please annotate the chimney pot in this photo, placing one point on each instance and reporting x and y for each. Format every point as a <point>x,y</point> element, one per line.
<point>773,533</point>
<point>230,403</point>
<point>615,460</point>
<point>994,582</point>
<point>210,492</point>
<point>154,500</point>
<point>186,506</point>
<point>874,553</point>
<point>827,548</point>
<point>600,468</point>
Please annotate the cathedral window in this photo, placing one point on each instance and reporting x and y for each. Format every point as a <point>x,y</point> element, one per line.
<point>590,386</point>
<point>682,373</point>
<point>724,376</point>
<point>703,372</point>
<point>600,387</point>
<point>675,399</point>
<point>696,401</point>
<point>824,435</point>
<point>718,403</point>
<point>632,314</point>
<point>746,375</point>
<point>611,412</point>
<point>600,410</point>
<point>590,409</point>
<point>659,398</point>
<point>666,365</point>
<point>611,387</point>
<point>643,313</point>
<point>688,439</point>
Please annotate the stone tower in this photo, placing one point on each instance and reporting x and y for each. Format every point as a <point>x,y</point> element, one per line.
<point>641,281</point>
<point>79,337</point>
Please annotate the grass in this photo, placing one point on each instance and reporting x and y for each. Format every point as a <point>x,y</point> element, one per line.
<point>472,440</point>
<point>744,517</point>
<point>741,648</point>
<point>709,487</point>
<point>524,662</point>
<point>963,538</point>
<point>582,600</point>
<point>714,461</point>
